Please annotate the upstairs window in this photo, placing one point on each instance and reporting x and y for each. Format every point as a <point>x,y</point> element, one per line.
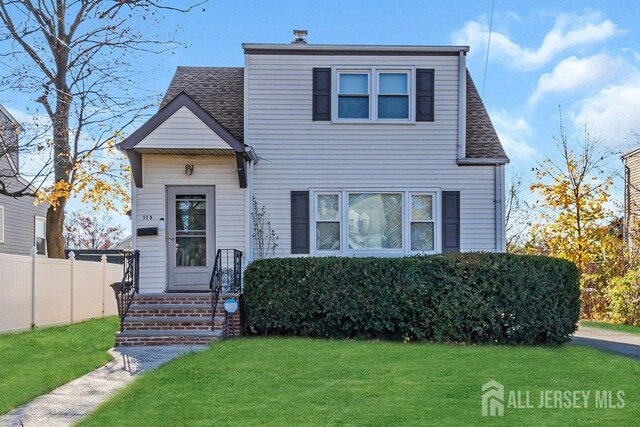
<point>393,95</point>
<point>376,94</point>
<point>353,95</point>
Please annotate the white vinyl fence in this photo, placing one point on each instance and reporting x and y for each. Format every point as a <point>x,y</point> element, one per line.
<point>39,291</point>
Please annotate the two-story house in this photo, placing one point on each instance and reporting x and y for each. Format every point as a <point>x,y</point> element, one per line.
<point>351,150</point>
<point>22,224</point>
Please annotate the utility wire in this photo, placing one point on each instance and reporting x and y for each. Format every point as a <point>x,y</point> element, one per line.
<point>486,62</point>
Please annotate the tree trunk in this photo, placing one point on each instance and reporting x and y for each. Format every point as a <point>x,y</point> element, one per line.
<point>55,222</point>
<point>62,170</point>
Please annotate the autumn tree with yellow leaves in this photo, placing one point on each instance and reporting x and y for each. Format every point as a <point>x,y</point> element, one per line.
<point>76,59</point>
<point>574,194</point>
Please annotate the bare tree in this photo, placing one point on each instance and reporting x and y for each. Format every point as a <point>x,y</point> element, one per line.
<point>517,210</point>
<point>85,231</point>
<point>75,58</point>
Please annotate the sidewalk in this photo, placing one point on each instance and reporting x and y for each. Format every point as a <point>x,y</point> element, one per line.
<point>624,343</point>
<point>69,403</point>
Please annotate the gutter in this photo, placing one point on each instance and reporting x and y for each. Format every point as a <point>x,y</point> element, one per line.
<point>351,49</point>
<point>501,244</point>
<point>483,161</point>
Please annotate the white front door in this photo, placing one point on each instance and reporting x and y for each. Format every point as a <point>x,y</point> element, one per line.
<point>190,237</point>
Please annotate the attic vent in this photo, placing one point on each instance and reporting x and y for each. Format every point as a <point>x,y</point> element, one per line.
<point>300,37</point>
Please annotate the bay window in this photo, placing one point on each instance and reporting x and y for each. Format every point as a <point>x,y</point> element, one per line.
<point>362,222</point>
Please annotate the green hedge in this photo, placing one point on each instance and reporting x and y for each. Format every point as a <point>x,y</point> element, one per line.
<point>469,298</point>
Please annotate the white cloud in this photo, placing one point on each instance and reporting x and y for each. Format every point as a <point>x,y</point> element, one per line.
<point>568,31</point>
<point>574,74</point>
<point>613,113</point>
<point>514,133</point>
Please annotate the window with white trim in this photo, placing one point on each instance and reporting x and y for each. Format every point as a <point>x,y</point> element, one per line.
<point>379,94</point>
<point>423,225</point>
<point>353,95</point>
<point>1,224</point>
<point>362,222</point>
<point>327,222</point>
<point>393,95</point>
<point>40,238</point>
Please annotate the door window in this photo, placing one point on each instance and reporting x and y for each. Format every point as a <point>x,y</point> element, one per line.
<point>191,230</point>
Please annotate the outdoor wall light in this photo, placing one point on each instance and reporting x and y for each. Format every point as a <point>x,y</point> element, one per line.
<point>161,225</point>
<point>189,170</point>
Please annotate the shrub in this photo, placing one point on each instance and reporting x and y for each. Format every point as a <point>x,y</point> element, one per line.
<point>624,298</point>
<point>469,298</point>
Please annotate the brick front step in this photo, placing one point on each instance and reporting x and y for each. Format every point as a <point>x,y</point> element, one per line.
<point>175,310</point>
<point>172,323</point>
<point>131,338</point>
<point>181,298</point>
<point>177,318</point>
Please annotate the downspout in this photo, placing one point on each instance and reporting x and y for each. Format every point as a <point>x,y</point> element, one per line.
<point>249,211</point>
<point>462,104</point>
<point>501,244</point>
<point>248,237</point>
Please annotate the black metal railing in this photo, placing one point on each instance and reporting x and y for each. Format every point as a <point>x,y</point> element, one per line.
<point>225,277</point>
<point>129,285</point>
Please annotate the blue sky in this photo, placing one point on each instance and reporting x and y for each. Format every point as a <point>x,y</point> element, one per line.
<point>580,55</point>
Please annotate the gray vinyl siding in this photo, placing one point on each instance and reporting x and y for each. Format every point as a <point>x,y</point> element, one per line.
<point>297,153</point>
<point>19,218</point>
<point>162,170</point>
<point>183,130</point>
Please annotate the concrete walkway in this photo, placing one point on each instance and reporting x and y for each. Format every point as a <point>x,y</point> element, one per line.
<point>71,402</point>
<point>623,343</point>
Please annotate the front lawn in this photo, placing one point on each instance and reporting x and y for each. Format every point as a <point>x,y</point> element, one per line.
<point>297,381</point>
<point>35,362</point>
<point>612,326</point>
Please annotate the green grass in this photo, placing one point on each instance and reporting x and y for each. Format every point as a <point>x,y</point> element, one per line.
<point>35,362</point>
<point>296,381</point>
<point>612,326</point>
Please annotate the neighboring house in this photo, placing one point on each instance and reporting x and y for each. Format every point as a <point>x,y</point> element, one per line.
<point>22,224</point>
<point>126,243</point>
<point>352,150</point>
<point>631,225</point>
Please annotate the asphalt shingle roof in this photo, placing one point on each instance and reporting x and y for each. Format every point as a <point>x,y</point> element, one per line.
<point>220,91</point>
<point>482,139</point>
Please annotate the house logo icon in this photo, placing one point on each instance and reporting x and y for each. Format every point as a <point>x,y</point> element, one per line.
<point>492,399</point>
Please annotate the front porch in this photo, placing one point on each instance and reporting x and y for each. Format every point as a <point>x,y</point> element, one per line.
<point>181,318</point>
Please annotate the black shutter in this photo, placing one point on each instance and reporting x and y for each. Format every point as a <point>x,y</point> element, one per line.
<point>321,94</point>
<point>299,222</point>
<point>424,95</point>
<point>450,221</point>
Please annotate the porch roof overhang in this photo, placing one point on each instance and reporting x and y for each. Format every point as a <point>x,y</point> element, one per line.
<point>129,146</point>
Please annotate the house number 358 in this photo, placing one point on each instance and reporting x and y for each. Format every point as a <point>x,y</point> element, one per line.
<point>147,217</point>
